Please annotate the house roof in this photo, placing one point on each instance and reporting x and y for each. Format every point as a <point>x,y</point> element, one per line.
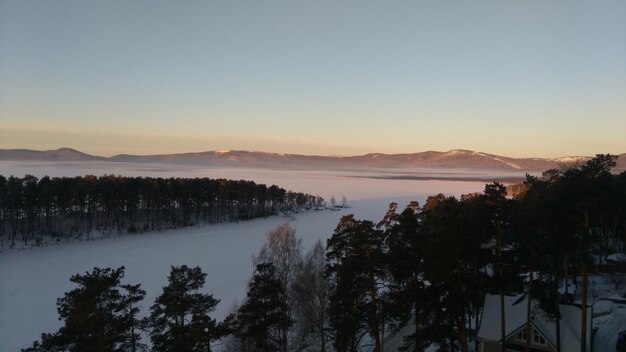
<point>515,314</point>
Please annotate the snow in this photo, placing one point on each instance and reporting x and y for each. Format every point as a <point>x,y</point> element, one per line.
<point>461,152</point>
<point>515,307</point>
<point>489,270</point>
<point>526,277</point>
<point>354,185</point>
<point>33,278</point>
<point>608,327</point>
<point>571,159</point>
<point>608,314</point>
<point>570,288</point>
<point>609,311</point>
<point>617,258</point>
<point>515,166</point>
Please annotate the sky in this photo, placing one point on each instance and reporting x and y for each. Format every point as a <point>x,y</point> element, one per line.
<point>522,79</point>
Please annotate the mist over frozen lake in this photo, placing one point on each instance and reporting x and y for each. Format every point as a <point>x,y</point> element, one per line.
<point>352,183</point>
<point>32,279</point>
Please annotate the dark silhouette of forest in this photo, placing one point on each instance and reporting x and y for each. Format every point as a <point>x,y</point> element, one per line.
<point>68,207</point>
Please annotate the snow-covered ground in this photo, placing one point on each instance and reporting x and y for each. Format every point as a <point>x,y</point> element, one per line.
<point>609,310</point>
<point>32,279</point>
<point>609,315</point>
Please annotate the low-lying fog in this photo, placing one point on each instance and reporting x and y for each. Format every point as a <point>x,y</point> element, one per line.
<point>352,183</point>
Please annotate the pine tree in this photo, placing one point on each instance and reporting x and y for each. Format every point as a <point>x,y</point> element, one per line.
<point>408,295</point>
<point>495,195</point>
<point>4,205</point>
<point>584,184</point>
<point>265,313</point>
<point>180,315</point>
<point>96,315</point>
<point>14,204</point>
<point>355,273</point>
<point>130,302</point>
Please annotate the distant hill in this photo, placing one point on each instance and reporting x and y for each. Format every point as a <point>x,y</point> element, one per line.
<point>453,159</point>
<point>61,154</point>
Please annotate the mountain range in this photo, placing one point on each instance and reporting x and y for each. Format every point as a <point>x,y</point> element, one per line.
<point>453,159</point>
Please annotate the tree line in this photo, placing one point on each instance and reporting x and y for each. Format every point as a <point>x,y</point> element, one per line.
<point>427,267</point>
<point>102,314</point>
<point>431,266</point>
<point>62,207</point>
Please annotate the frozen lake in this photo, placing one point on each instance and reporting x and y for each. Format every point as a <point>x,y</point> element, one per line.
<point>353,183</point>
<point>32,279</point>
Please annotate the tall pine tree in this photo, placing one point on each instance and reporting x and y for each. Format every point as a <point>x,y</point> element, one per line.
<point>355,272</point>
<point>96,315</point>
<point>265,314</point>
<point>180,315</point>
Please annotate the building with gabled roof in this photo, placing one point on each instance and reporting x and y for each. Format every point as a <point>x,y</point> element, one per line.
<point>543,335</point>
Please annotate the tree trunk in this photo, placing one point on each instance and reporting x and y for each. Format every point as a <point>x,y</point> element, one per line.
<point>558,327</point>
<point>501,291</point>
<point>565,278</point>
<point>615,236</point>
<point>133,346</point>
<point>284,340</point>
<point>416,328</point>
<point>382,329</point>
<point>322,338</point>
<point>583,319</point>
<point>463,335</point>
<point>528,308</point>
<point>376,332</point>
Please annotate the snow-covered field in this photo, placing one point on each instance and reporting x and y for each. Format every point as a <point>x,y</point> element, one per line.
<point>32,279</point>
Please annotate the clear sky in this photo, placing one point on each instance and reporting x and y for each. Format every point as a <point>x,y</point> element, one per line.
<point>520,78</point>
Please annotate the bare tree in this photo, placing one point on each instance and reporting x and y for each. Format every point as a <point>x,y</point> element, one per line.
<point>284,251</point>
<point>311,303</point>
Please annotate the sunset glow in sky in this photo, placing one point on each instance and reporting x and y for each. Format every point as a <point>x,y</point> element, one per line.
<point>530,78</point>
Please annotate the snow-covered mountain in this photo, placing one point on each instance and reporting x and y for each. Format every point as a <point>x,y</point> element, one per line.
<point>456,158</point>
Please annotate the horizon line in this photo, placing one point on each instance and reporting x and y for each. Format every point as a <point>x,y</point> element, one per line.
<point>296,154</point>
